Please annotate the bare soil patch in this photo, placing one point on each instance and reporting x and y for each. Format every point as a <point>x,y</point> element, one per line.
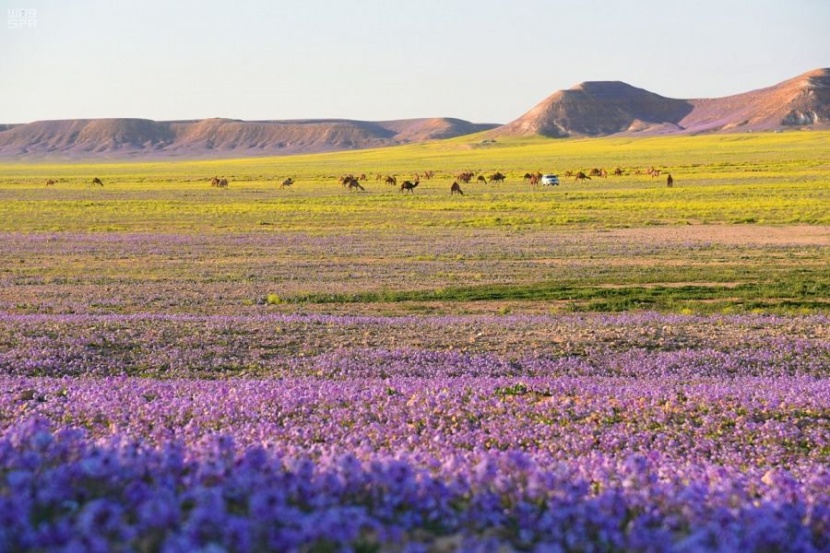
<point>739,235</point>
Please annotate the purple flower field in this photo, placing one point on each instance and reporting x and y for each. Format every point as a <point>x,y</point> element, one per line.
<point>632,432</point>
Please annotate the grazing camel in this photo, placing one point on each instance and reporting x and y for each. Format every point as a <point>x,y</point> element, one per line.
<point>50,182</point>
<point>214,181</point>
<point>481,178</point>
<point>618,172</point>
<point>669,181</point>
<point>497,177</point>
<point>287,182</point>
<point>391,180</point>
<point>410,186</point>
<point>97,181</point>
<point>350,182</point>
<point>527,177</point>
<point>456,189</point>
<point>465,177</point>
<point>581,176</point>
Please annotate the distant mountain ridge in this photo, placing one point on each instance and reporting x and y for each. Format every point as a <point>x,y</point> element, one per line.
<point>604,108</point>
<point>597,108</point>
<point>128,138</point>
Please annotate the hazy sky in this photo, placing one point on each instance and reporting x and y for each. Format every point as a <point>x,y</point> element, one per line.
<point>481,60</point>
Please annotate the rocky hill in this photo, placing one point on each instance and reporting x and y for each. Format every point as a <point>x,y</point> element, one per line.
<point>130,138</point>
<point>611,107</point>
<point>589,109</point>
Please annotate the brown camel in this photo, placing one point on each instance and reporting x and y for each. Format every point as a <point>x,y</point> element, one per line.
<point>465,177</point>
<point>50,182</point>
<point>287,182</point>
<point>391,180</point>
<point>410,186</point>
<point>618,172</point>
<point>456,189</point>
<point>497,177</point>
<point>581,176</point>
<point>214,181</point>
<point>351,183</point>
<point>481,178</point>
<point>669,181</point>
<point>97,181</point>
<point>223,183</point>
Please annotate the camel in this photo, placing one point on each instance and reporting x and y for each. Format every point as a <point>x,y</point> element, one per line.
<point>482,179</point>
<point>456,189</point>
<point>618,172</point>
<point>354,185</point>
<point>50,182</point>
<point>581,176</point>
<point>465,177</point>
<point>534,179</point>
<point>653,172</point>
<point>287,182</point>
<point>223,183</point>
<point>497,177</point>
<point>429,174</point>
<point>362,177</point>
<point>595,172</point>
<point>97,181</point>
<point>603,173</point>
<point>527,177</point>
<point>214,181</point>
<point>569,173</point>
<point>391,180</point>
<point>669,181</point>
<point>407,185</point>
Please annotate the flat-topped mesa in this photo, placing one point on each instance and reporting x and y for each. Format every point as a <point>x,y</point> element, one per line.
<point>600,108</point>
<point>216,137</point>
<point>593,108</point>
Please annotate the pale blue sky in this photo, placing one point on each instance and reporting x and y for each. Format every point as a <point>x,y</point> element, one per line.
<point>481,60</point>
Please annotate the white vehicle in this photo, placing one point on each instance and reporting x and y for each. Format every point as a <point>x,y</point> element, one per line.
<point>550,180</point>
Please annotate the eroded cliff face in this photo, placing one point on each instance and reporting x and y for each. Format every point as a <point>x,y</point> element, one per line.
<point>129,138</point>
<point>610,107</point>
<point>597,108</point>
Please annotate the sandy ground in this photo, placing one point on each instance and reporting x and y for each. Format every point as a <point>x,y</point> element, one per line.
<point>800,235</point>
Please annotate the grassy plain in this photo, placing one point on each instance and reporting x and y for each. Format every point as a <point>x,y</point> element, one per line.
<point>745,228</point>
